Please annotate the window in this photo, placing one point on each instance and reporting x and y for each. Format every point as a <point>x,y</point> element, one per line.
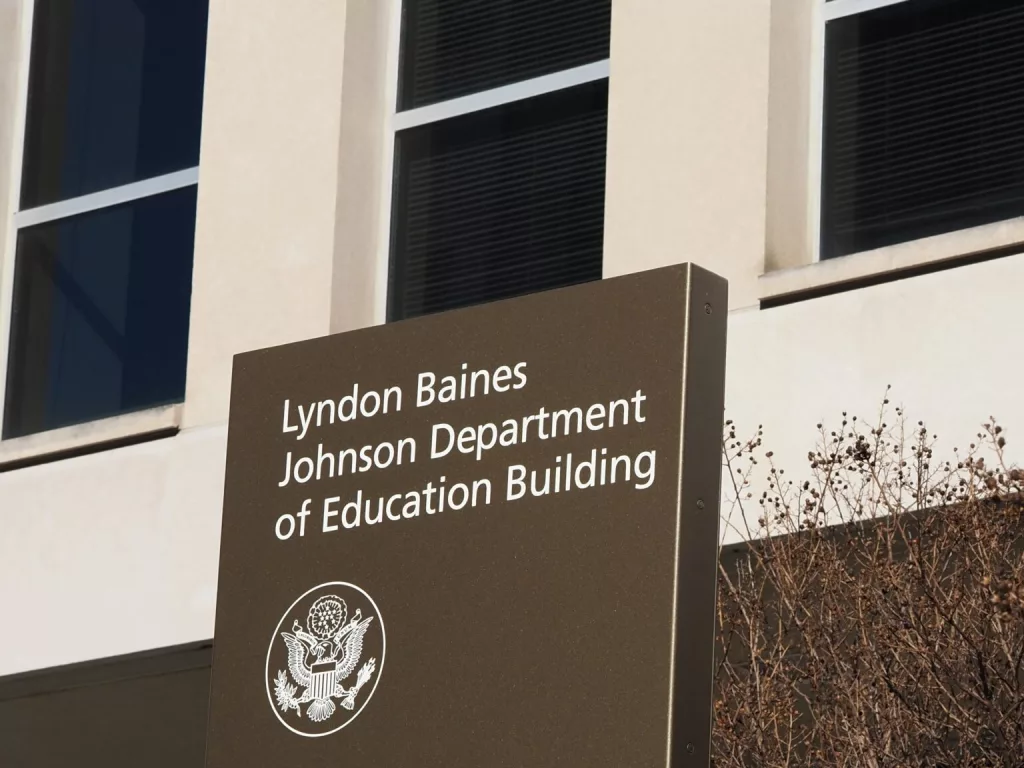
<point>103,262</point>
<point>500,143</point>
<point>923,125</point>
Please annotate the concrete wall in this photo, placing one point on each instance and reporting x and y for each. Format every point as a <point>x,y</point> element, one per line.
<point>940,340</point>
<point>117,552</point>
<point>790,231</point>
<point>110,553</point>
<point>687,139</point>
<point>264,253</point>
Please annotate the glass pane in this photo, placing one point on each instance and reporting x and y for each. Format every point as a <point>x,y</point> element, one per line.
<point>923,121</point>
<point>115,94</point>
<point>500,203</point>
<point>454,47</point>
<point>101,308</point>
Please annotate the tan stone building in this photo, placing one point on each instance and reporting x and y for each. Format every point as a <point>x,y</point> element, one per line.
<point>184,180</point>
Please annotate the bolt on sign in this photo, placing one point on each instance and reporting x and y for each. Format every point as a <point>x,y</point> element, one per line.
<point>486,537</point>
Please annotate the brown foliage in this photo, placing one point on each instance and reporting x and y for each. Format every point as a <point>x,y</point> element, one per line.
<point>877,619</point>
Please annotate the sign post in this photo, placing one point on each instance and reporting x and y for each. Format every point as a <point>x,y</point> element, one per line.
<point>487,537</point>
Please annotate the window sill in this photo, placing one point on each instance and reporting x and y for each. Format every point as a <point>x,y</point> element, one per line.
<point>851,271</point>
<point>89,437</point>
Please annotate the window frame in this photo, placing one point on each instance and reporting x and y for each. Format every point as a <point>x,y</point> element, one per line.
<point>945,246</point>
<point>397,120</point>
<point>156,420</point>
<point>795,271</point>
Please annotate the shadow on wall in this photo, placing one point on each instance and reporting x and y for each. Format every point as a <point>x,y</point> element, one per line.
<point>145,709</point>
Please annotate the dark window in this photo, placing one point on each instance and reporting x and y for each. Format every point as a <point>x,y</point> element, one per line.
<point>923,122</point>
<point>500,203</point>
<point>452,48</point>
<point>506,201</point>
<point>101,311</point>
<point>115,94</point>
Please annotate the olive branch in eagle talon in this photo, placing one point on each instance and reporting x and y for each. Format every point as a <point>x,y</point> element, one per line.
<point>284,692</point>
<point>319,660</point>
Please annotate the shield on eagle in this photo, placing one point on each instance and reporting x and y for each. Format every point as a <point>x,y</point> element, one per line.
<point>322,681</point>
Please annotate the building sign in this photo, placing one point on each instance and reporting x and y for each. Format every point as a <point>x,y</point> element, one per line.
<point>481,538</point>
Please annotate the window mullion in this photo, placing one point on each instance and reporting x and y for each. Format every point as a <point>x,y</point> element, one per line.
<point>125,193</point>
<point>506,94</point>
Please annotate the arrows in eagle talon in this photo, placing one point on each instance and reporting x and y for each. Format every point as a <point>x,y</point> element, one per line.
<point>365,672</point>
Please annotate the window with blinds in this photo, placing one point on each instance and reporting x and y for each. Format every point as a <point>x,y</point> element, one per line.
<point>498,191</point>
<point>455,47</point>
<point>923,121</point>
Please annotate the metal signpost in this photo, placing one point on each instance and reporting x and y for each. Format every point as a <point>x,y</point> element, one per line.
<point>486,537</point>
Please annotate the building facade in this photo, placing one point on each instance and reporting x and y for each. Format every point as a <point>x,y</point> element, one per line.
<point>182,181</point>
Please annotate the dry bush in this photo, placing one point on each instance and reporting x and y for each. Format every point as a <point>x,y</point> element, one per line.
<point>893,635</point>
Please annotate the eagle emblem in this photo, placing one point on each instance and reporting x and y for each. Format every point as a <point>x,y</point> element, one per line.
<point>324,670</point>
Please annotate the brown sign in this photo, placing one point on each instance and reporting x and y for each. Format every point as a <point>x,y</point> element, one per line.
<point>481,538</point>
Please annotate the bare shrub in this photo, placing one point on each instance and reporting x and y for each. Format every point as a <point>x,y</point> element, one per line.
<point>877,616</point>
